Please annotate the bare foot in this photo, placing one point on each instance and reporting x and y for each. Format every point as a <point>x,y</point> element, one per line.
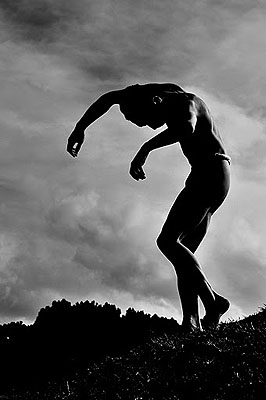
<point>191,325</point>
<point>212,317</point>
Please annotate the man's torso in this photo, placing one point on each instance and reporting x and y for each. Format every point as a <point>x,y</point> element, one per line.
<point>205,140</point>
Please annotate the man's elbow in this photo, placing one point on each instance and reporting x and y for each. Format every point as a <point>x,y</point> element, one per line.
<point>193,121</point>
<point>110,98</point>
<point>189,128</point>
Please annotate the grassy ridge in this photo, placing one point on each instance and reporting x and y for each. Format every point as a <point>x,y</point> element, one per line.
<point>225,363</point>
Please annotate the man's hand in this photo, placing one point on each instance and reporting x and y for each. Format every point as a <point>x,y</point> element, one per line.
<point>136,170</point>
<point>75,142</point>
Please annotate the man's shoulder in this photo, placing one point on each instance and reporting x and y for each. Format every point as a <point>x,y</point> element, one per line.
<point>182,97</point>
<point>180,109</point>
<point>181,102</point>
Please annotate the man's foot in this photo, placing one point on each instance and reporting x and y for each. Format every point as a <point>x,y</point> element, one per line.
<point>190,329</point>
<point>191,325</point>
<point>212,317</point>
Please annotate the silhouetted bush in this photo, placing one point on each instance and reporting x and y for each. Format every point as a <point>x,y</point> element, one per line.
<point>89,351</point>
<point>66,338</point>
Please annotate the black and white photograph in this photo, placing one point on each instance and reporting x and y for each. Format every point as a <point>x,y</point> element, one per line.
<point>133,199</point>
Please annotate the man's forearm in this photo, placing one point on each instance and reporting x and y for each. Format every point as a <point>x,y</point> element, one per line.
<point>97,109</point>
<point>164,138</point>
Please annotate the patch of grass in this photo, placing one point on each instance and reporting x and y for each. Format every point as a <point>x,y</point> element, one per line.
<point>224,363</point>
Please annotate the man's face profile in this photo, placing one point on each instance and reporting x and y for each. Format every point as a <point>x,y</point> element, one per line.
<point>141,113</point>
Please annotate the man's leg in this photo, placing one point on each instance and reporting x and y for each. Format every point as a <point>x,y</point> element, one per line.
<point>192,240</point>
<point>184,216</point>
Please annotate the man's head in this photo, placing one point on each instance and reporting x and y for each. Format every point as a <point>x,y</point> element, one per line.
<point>143,104</point>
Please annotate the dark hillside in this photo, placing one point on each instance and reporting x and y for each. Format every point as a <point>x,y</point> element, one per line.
<point>65,337</point>
<point>133,357</point>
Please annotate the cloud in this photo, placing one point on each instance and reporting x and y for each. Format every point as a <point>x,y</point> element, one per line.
<point>50,248</point>
<point>235,258</point>
<point>235,67</point>
<point>41,20</point>
<point>82,228</point>
<point>101,38</point>
<point>117,42</point>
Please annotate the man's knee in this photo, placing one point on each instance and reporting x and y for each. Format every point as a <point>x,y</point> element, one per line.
<point>160,241</point>
<point>164,242</point>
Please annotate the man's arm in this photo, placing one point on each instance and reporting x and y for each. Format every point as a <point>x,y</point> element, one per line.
<point>98,108</point>
<point>164,138</point>
<point>95,111</point>
<point>185,124</point>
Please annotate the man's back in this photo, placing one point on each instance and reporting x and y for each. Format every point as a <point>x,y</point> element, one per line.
<point>205,140</point>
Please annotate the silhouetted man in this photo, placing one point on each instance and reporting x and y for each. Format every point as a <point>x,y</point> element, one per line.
<point>189,123</point>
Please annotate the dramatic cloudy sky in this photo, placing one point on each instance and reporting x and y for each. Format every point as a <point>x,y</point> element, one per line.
<point>82,228</point>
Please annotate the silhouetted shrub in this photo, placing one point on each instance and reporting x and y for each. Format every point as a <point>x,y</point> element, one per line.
<point>90,351</point>
<point>65,338</point>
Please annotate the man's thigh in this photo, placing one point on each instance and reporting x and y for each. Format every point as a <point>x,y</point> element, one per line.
<point>187,212</point>
<point>193,238</point>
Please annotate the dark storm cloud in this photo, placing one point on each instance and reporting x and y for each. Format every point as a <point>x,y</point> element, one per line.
<point>40,20</point>
<point>119,40</point>
<point>100,37</point>
<point>122,41</point>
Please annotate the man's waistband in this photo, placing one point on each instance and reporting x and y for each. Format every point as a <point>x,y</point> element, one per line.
<point>223,157</point>
<point>206,159</point>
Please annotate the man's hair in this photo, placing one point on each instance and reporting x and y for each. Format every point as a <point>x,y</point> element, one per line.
<point>153,89</point>
<point>136,94</point>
